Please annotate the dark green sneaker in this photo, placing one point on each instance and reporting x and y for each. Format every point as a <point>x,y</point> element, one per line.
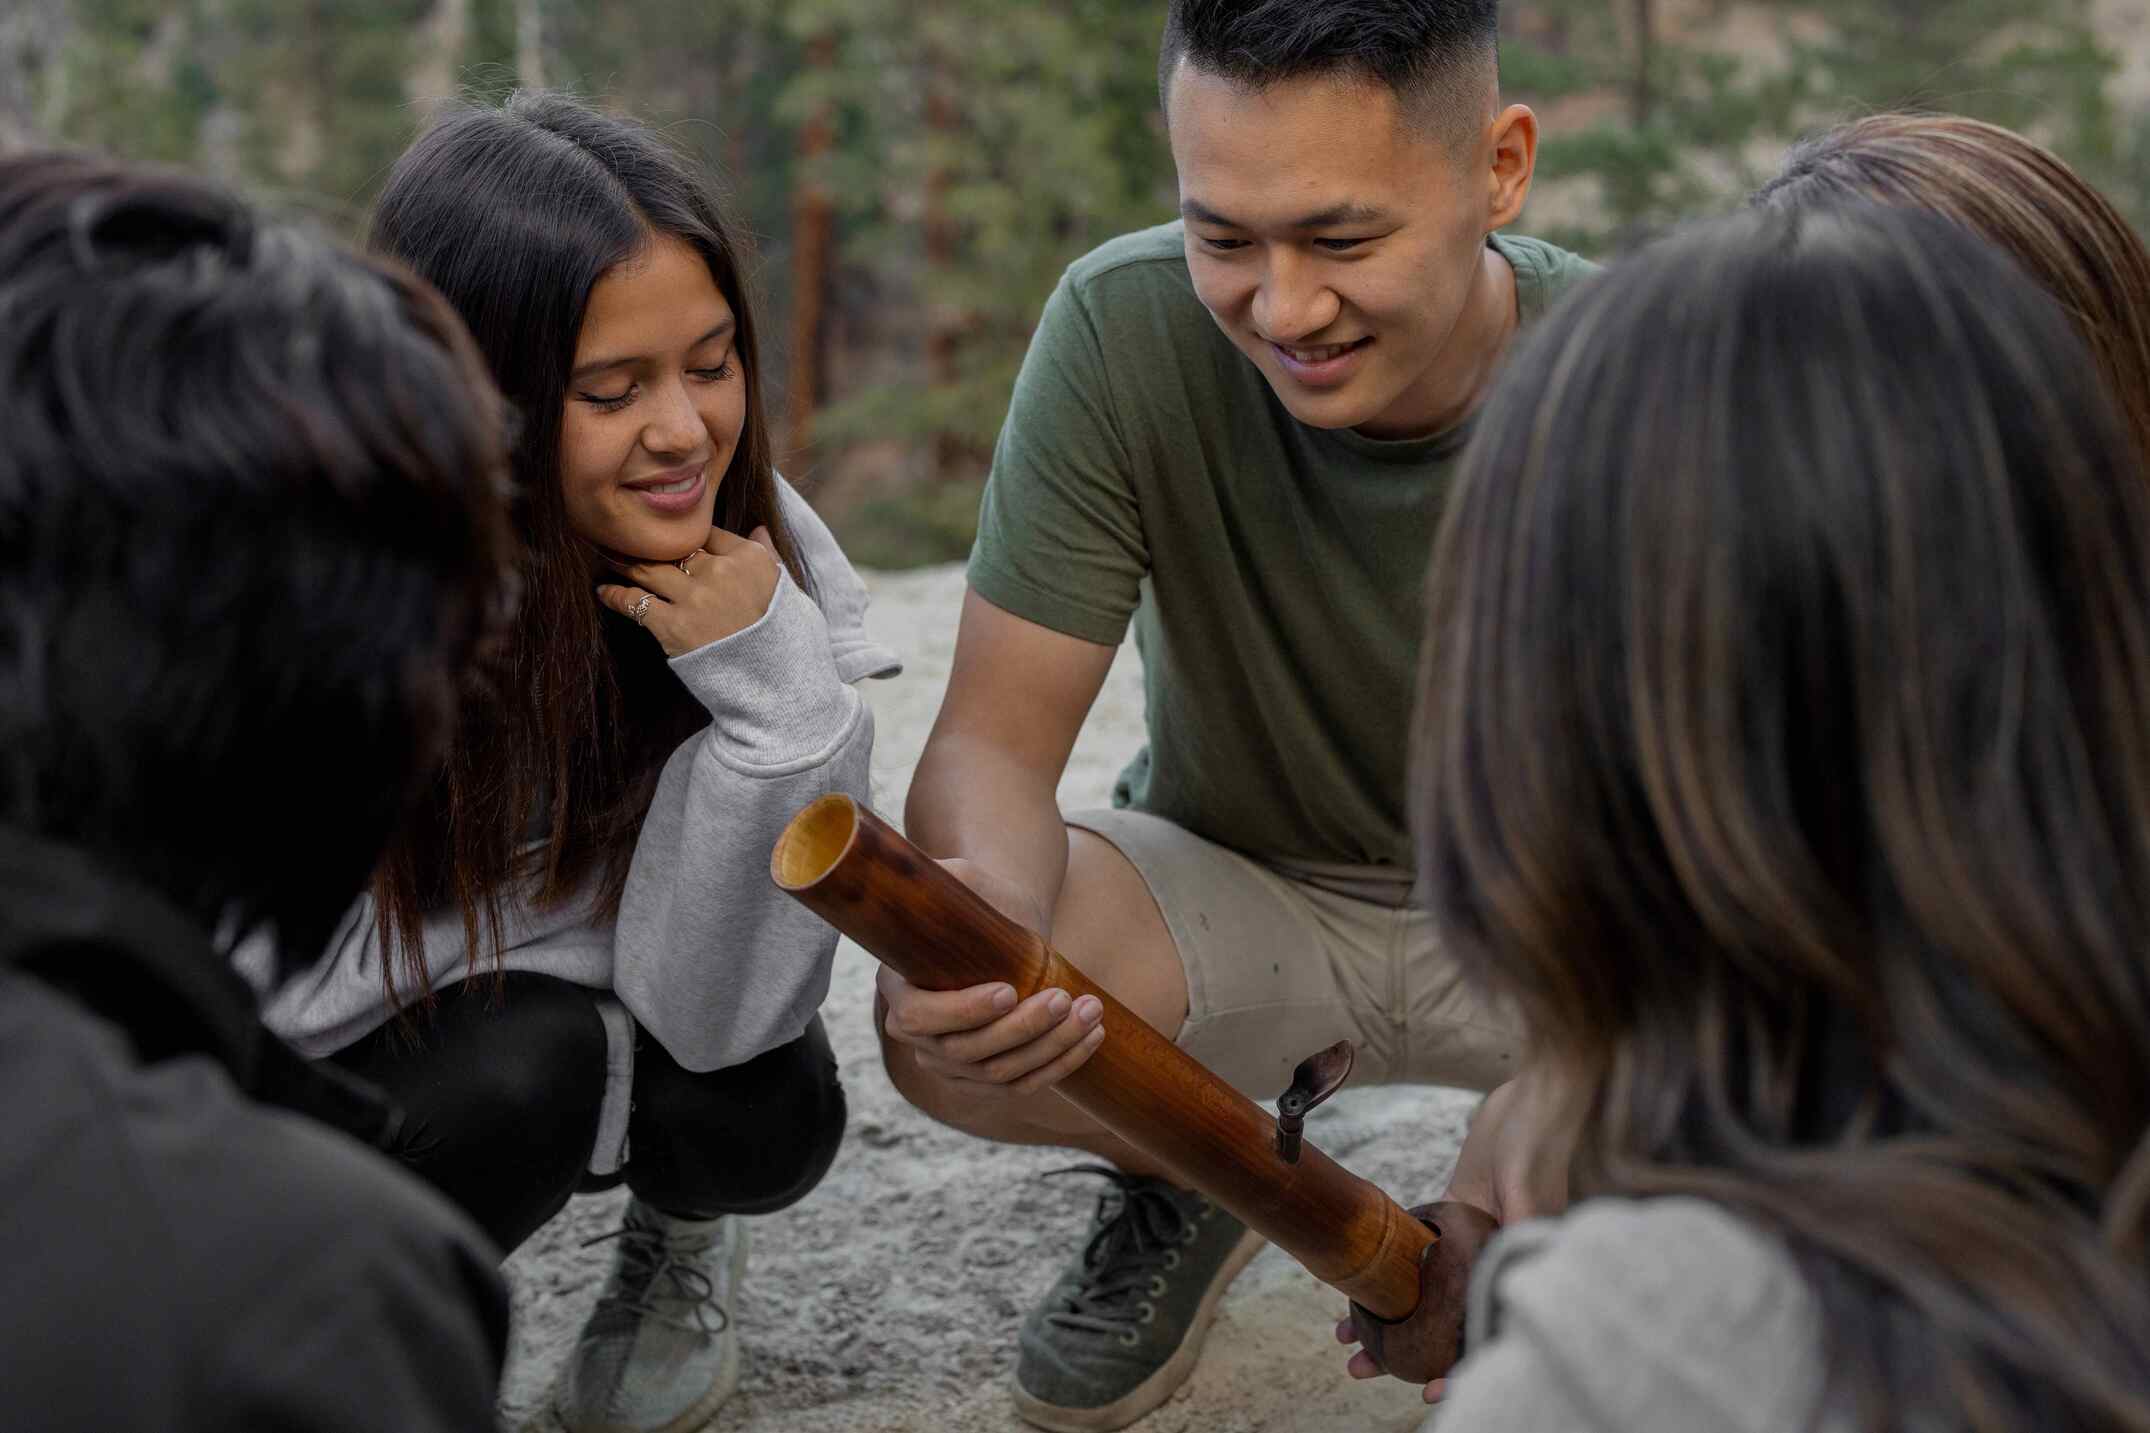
<point>1122,1327</point>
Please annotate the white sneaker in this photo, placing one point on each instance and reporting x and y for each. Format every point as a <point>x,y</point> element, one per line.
<point>660,1353</point>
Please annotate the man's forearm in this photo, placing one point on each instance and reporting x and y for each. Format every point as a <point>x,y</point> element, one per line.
<point>970,799</point>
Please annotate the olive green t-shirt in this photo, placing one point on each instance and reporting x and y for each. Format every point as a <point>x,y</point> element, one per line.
<point>1273,571</point>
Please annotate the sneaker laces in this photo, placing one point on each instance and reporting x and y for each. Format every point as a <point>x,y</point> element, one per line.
<point>1141,1229</point>
<point>659,1276</point>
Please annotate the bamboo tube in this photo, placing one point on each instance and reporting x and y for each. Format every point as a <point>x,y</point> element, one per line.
<point>856,872</point>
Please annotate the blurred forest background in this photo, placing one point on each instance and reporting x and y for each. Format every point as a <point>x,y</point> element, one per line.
<point>917,172</point>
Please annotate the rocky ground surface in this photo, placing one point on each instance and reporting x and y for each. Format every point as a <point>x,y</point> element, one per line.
<point>887,1301</point>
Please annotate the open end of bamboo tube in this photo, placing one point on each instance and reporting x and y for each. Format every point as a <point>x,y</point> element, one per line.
<point>814,842</point>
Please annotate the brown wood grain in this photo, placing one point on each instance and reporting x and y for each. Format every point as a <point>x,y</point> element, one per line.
<point>859,874</point>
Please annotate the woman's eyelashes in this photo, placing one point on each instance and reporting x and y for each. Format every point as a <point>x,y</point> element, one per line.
<point>612,403</point>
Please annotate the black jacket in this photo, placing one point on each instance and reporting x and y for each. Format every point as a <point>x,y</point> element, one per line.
<point>176,1251</point>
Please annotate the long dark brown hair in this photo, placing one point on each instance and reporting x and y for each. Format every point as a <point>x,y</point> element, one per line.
<point>1785,757</point>
<point>514,213</point>
<point>2015,194</point>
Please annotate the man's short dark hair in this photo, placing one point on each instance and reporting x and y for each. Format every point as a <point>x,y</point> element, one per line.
<point>253,535</point>
<point>1434,54</point>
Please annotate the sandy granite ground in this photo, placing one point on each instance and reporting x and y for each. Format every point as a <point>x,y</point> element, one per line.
<point>887,1301</point>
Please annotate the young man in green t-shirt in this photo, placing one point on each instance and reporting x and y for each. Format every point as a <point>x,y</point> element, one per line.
<point>1235,431</point>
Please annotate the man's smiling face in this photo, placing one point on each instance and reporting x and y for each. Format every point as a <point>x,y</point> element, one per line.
<point>1334,238</point>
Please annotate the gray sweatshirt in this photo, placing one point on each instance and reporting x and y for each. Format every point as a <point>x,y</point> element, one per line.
<point>706,955</point>
<point>1637,1316</point>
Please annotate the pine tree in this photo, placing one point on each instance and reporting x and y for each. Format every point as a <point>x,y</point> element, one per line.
<point>1695,128</point>
<point>1007,140</point>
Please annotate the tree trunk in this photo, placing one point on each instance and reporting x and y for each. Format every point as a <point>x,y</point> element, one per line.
<point>529,45</point>
<point>32,75</point>
<point>944,323</point>
<point>1642,99</point>
<point>813,239</point>
<point>438,57</point>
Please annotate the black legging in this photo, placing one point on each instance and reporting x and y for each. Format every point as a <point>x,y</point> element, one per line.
<point>501,1083</point>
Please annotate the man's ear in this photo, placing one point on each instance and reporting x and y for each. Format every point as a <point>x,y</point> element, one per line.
<point>1512,149</point>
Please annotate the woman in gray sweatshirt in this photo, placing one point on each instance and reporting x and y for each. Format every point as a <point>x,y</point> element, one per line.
<point>574,970</point>
<point>1785,756</point>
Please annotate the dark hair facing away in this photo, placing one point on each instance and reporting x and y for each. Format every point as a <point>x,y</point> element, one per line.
<point>1437,55</point>
<point>253,529</point>
<point>2065,234</point>
<point>514,214</point>
<point>1784,755</point>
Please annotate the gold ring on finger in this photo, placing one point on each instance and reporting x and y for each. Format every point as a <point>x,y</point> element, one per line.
<point>682,564</point>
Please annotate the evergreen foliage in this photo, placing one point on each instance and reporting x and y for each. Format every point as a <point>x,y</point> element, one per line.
<point>974,147</point>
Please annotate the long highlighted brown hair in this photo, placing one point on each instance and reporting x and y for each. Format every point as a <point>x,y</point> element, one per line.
<point>1785,757</point>
<point>2024,198</point>
<point>514,213</point>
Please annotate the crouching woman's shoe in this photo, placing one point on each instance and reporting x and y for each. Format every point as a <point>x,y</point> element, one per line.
<point>660,1353</point>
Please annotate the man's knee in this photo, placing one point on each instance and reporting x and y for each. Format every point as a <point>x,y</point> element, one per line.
<point>933,1096</point>
<point>915,1085</point>
<point>1108,923</point>
<point>988,1112</point>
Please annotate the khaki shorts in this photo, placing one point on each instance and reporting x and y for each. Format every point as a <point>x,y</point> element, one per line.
<point>1283,961</point>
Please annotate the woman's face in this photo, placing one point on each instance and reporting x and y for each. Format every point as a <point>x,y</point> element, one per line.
<point>656,402</point>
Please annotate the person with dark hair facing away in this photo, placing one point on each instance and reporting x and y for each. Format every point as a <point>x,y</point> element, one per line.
<point>2016,194</point>
<point>253,535</point>
<point>1784,751</point>
<point>1235,431</point>
<point>588,974</point>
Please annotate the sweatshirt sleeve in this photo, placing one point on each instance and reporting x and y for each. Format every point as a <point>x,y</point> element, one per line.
<point>837,591</point>
<point>708,955</point>
<point>1655,1316</point>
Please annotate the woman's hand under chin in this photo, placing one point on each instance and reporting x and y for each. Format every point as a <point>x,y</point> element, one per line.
<point>720,588</point>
